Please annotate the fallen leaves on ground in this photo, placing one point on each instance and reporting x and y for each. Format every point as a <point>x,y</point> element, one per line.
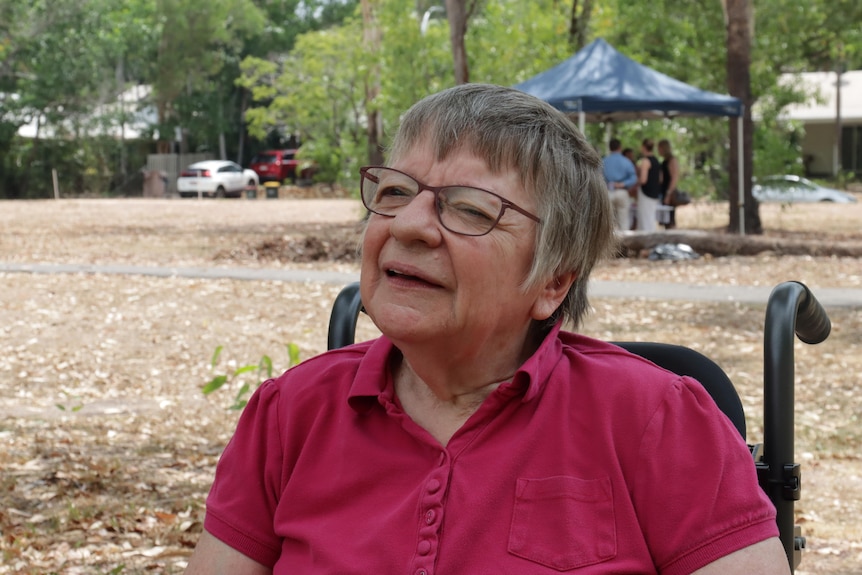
<point>108,446</point>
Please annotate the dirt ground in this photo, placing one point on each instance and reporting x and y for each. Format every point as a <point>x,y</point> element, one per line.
<point>107,445</point>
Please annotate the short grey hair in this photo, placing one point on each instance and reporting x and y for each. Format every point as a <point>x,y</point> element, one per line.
<point>510,129</point>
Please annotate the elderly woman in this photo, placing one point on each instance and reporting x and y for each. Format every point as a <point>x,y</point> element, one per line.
<point>475,436</point>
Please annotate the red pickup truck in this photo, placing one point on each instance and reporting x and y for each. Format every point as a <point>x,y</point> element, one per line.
<point>275,165</point>
<point>278,166</point>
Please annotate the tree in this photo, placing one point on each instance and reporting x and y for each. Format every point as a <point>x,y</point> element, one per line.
<point>579,24</point>
<point>458,13</point>
<point>513,41</point>
<point>58,66</point>
<point>740,23</point>
<point>195,43</point>
<point>826,35</point>
<point>318,93</point>
<point>371,43</point>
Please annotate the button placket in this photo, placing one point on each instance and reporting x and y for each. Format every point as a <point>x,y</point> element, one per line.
<point>430,514</point>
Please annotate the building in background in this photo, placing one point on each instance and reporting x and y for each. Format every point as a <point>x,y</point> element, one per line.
<point>820,116</point>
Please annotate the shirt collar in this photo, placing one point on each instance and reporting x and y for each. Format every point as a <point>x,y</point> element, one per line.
<point>373,381</point>
<point>534,374</point>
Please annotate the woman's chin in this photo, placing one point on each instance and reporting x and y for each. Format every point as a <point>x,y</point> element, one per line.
<point>405,325</point>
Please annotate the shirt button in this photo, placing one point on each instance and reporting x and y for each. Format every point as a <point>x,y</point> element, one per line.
<point>430,516</point>
<point>433,486</point>
<point>424,547</point>
<point>421,572</point>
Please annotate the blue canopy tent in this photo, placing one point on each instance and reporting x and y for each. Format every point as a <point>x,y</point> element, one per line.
<point>599,84</point>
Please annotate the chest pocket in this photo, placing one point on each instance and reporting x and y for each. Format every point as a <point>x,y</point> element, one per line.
<point>563,522</point>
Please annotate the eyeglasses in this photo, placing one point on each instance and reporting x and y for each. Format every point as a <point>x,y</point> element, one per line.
<point>461,209</point>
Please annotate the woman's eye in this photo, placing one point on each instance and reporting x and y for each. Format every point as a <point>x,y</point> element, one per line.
<point>393,191</point>
<point>470,210</point>
<point>476,213</point>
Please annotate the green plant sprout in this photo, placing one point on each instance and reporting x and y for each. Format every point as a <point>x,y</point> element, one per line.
<point>262,368</point>
<point>73,408</point>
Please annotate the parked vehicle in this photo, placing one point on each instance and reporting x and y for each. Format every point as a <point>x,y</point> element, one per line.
<point>789,189</point>
<point>279,166</point>
<point>215,178</point>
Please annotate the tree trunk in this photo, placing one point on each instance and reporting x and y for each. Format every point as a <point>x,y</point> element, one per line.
<point>164,144</point>
<point>837,151</point>
<point>739,20</point>
<point>579,23</point>
<point>371,39</point>
<point>241,140</point>
<point>721,245</point>
<point>457,14</point>
<point>120,79</point>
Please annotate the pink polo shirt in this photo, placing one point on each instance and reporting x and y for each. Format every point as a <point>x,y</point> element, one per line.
<point>591,460</point>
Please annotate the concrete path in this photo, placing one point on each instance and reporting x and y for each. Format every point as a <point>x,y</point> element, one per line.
<point>828,297</point>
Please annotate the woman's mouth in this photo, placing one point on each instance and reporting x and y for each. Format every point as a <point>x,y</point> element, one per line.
<point>403,276</point>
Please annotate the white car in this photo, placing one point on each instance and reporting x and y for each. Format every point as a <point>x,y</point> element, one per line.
<point>215,178</point>
<point>788,189</point>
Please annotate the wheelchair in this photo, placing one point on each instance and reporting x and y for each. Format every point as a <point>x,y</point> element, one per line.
<point>791,311</point>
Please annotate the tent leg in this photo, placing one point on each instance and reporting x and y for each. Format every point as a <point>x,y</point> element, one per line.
<point>740,169</point>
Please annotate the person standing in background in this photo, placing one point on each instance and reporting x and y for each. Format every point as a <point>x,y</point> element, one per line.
<point>620,176</point>
<point>649,176</point>
<point>633,189</point>
<point>670,179</point>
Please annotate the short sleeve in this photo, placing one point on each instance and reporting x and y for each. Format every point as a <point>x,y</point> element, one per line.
<point>244,495</point>
<point>696,488</point>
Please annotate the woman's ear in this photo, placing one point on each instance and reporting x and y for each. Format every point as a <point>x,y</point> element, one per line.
<point>552,295</point>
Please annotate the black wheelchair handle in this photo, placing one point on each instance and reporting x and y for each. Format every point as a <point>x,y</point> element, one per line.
<point>791,310</point>
<point>810,321</point>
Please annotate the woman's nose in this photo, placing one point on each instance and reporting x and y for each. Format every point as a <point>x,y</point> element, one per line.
<point>418,220</point>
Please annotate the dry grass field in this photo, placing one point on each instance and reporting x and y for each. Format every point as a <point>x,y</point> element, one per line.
<point>107,445</point>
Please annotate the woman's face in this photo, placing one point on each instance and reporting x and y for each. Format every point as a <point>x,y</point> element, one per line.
<point>421,283</point>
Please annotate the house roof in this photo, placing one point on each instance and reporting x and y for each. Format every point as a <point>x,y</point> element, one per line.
<point>103,121</point>
<point>821,104</point>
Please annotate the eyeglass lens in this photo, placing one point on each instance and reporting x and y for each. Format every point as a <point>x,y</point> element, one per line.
<point>461,209</point>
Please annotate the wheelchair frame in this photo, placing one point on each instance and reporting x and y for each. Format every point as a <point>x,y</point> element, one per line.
<point>791,310</point>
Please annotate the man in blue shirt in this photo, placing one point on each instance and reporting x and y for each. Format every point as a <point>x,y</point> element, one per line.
<point>620,176</point>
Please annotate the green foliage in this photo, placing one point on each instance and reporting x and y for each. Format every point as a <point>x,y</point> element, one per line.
<point>62,60</point>
<point>317,93</point>
<point>196,45</point>
<point>331,82</point>
<point>262,370</point>
<point>85,167</point>
<point>514,41</point>
<point>843,180</point>
<point>330,159</point>
<point>305,69</point>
